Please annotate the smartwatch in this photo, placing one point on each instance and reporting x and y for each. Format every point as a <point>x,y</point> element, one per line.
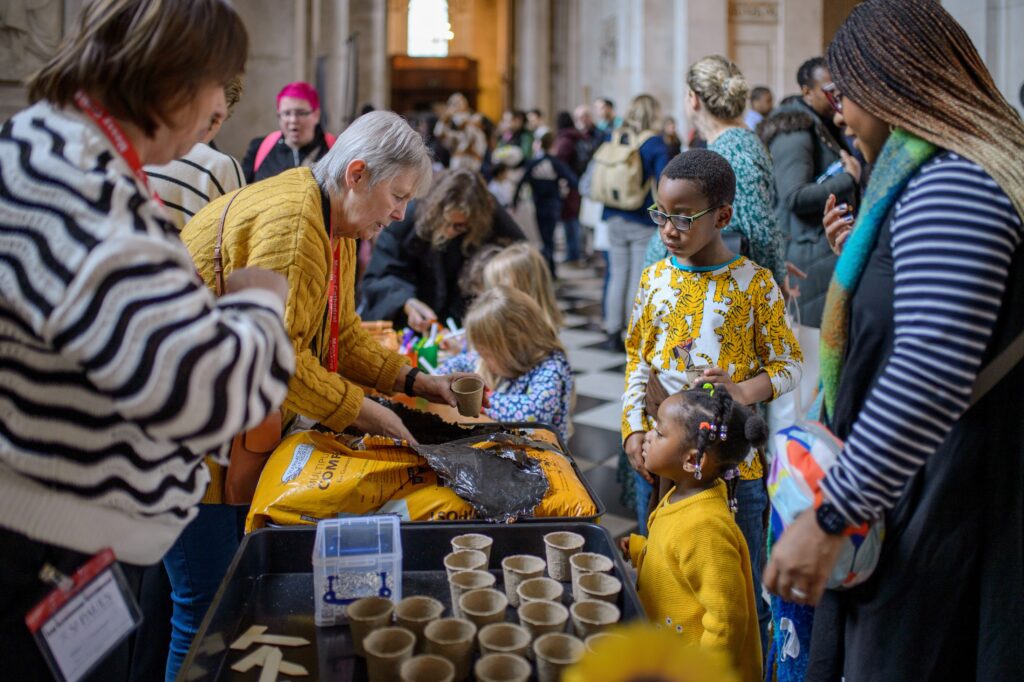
<point>410,379</point>
<point>830,520</point>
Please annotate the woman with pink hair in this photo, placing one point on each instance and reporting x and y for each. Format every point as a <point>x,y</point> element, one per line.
<point>300,141</point>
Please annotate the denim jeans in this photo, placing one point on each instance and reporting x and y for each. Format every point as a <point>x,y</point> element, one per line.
<point>628,245</point>
<point>196,565</point>
<point>572,239</point>
<point>547,221</point>
<point>752,499</point>
<point>644,490</point>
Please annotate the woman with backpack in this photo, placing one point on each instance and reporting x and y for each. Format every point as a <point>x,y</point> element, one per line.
<point>924,313</point>
<point>300,140</point>
<point>626,168</point>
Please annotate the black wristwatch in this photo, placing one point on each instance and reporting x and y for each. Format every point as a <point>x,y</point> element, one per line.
<point>410,379</point>
<point>830,520</point>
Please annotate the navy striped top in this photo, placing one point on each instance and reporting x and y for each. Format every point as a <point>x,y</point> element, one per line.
<point>954,232</point>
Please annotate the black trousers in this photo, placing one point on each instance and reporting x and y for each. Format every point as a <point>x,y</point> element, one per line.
<point>21,589</point>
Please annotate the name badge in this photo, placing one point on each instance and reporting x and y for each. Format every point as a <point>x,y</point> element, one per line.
<point>84,618</point>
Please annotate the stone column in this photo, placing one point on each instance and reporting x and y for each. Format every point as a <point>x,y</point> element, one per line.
<point>533,55</point>
<point>995,27</point>
<point>368,18</point>
<point>334,32</point>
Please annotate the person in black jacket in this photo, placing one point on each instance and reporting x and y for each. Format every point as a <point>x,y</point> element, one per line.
<point>544,174</point>
<point>413,276</point>
<point>300,141</point>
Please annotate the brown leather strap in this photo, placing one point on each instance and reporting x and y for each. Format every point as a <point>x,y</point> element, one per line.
<point>655,394</point>
<point>218,260</point>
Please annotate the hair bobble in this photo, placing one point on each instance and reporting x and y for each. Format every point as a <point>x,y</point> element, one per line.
<point>704,426</point>
<point>710,388</point>
<point>730,473</point>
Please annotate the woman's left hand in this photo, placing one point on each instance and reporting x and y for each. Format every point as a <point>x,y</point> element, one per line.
<point>802,560</point>
<point>437,388</point>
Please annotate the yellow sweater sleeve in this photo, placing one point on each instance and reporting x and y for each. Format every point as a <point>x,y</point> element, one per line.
<point>637,543</point>
<point>711,568</point>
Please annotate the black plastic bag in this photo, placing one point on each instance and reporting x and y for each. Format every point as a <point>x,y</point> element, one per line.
<point>502,483</point>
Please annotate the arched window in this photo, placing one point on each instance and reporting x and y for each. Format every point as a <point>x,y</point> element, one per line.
<point>429,29</point>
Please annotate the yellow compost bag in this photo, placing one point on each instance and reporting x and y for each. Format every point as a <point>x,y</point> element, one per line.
<point>313,476</point>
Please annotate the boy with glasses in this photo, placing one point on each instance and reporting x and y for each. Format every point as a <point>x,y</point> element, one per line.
<point>299,141</point>
<point>704,315</point>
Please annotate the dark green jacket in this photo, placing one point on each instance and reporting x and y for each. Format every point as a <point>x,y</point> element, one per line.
<point>802,148</point>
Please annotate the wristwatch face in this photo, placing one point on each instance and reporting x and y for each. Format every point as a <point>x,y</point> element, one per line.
<point>830,520</point>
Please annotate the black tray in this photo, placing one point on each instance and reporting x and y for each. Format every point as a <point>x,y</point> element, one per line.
<point>270,582</point>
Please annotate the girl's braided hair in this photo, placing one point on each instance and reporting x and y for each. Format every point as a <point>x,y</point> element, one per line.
<point>723,427</point>
<point>912,65</point>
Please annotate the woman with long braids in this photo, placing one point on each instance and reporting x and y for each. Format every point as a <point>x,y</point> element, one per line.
<point>928,294</point>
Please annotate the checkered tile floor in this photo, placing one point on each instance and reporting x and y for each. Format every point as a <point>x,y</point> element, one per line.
<point>599,381</point>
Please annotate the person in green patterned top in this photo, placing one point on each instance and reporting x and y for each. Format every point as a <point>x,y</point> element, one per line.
<point>718,96</point>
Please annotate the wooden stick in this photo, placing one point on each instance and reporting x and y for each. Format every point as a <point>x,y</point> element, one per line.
<point>281,640</point>
<point>271,664</point>
<point>251,661</point>
<point>248,637</point>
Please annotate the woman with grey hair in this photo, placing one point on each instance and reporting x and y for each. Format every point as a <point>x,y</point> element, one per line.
<point>303,224</point>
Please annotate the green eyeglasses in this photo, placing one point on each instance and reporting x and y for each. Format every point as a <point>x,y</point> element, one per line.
<point>680,222</point>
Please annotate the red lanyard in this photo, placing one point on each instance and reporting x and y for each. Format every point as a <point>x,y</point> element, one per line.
<point>333,285</point>
<point>109,127</point>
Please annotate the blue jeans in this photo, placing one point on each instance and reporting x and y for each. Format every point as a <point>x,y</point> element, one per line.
<point>572,239</point>
<point>752,499</point>
<point>196,565</point>
<point>644,490</point>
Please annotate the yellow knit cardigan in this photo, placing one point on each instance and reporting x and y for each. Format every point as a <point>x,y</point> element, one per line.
<point>278,224</point>
<point>694,577</point>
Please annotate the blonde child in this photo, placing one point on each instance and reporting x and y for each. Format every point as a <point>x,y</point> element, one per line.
<point>693,569</point>
<point>521,266</point>
<point>706,314</point>
<point>520,357</point>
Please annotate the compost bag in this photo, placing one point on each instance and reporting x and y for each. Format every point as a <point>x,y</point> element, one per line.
<point>315,475</point>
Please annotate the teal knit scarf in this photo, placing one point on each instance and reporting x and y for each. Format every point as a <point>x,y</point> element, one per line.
<point>901,156</point>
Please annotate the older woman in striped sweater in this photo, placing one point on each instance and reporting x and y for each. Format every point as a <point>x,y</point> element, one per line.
<point>119,371</point>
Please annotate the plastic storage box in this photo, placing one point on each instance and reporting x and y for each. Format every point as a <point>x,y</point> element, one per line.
<point>353,558</point>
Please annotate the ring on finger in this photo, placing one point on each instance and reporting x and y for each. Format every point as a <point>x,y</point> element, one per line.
<point>798,593</point>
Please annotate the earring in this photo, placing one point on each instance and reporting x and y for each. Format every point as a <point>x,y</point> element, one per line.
<point>696,472</point>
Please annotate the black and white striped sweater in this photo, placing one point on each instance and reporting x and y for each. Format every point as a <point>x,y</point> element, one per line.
<point>119,370</point>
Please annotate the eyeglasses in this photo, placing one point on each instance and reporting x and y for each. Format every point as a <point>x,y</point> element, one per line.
<point>680,222</point>
<point>834,97</point>
<point>295,113</point>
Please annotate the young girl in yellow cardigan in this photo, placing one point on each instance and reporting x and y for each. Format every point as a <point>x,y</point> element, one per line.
<point>693,570</point>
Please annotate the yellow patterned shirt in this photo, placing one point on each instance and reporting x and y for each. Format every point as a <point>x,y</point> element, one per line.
<point>731,316</point>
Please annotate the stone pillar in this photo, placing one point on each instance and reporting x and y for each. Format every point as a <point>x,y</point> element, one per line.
<point>368,18</point>
<point>278,54</point>
<point>334,33</point>
<point>533,55</point>
<point>995,27</point>
<point>398,27</point>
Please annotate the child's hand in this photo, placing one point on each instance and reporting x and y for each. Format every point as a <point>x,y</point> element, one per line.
<point>624,547</point>
<point>634,447</point>
<point>721,380</point>
<point>756,389</point>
